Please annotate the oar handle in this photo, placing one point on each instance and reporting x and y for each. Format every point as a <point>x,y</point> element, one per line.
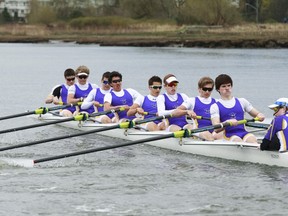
<point>119,109</point>
<point>200,117</point>
<point>149,113</point>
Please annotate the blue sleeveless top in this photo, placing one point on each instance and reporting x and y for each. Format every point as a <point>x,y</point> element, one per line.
<point>99,96</point>
<point>202,109</point>
<point>126,99</point>
<point>235,112</point>
<point>64,95</point>
<point>151,107</point>
<point>169,105</point>
<point>84,93</point>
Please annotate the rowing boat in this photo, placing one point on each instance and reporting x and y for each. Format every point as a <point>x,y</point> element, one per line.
<point>239,151</point>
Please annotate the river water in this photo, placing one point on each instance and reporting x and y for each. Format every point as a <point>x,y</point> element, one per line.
<point>136,180</point>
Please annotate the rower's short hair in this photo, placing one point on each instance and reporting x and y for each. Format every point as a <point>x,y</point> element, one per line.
<point>223,79</point>
<point>114,74</point>
<point>82,69</point>
<point>205,81</point>
<point>106,75</point>
<point>69,72</point>
<point>154,79</point>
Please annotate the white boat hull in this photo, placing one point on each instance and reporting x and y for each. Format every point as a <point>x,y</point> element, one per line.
<point>245,152</point>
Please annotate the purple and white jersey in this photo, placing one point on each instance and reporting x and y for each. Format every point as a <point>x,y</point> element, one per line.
<point>99,96</point>
<point>126,99</point>
<point>83,93</point>
<point>115,99</point>
<point>171,105</point>
<point>203,109</point>
<point>235,112</point>
<point>150,106</point>
<point>64,95</point>
<point>279,128</point>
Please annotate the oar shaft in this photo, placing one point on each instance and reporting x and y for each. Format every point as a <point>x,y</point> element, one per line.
<point>103,148</point>
<point>35,125</point>
<point>58,138</point>
<point>41,110</point>
<point>257,125</point>
<point>17,115</point>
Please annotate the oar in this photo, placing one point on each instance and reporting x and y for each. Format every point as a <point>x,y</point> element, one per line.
<point>79,117</point>
<point>123,125</point>
<point>39,111</point>
<point>257,125</point>
<point>178,134</point>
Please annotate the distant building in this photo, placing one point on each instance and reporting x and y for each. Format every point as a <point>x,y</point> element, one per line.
<point>21,8</point>
<point>16,8</point>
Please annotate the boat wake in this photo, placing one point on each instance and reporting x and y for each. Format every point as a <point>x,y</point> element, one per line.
<point>18,162</point>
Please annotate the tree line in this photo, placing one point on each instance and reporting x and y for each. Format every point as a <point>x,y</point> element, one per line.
<point>191,12</point>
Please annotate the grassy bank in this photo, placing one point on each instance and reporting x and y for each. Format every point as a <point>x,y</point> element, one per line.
<point>149,34</point>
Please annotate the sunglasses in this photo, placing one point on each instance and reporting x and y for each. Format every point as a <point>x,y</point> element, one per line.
<point>116,81</point>
<point>105,82</point>
<point>70,79</point>
<point>276,109</point>
<point>156,87</point>
<point>207,89</point>
<point>82,77</point>
<point>173,84</point>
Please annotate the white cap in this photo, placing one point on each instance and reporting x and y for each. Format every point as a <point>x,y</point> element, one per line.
<point>82,73</point>
<point>171,79</point>
<point>282,102</point>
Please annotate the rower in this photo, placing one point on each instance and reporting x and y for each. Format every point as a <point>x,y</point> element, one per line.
<point>80,90</point>
<point>60,92</point>
<point>147,106</point>
<point>169,101</point>
<point>95,99</point>
<point>199,106</point>
<point>119,97</point>
<point>231,109</point>
<point>277,135</point>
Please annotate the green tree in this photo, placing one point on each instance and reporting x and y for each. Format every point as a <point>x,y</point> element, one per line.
<point>43,14</point>
<point>69,9</point>
<point>276,10</point>
<point>5,16</point>
<point>209,12</point>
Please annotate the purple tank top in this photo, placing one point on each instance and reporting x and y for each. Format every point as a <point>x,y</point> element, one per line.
<point>169,105</point>
<point>202,109</point>
<point>84,93</point>
<point>235,112</point>
<point>64,95</point>
<point>126,99</point>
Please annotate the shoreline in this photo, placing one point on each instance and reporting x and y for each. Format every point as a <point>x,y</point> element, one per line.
<point>204,43</point>
<point>245,36</point>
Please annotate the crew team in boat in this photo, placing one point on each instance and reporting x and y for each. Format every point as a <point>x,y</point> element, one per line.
<point>228,108</point>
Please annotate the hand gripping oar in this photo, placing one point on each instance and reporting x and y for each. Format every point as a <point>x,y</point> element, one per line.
<point>199,117</point>
<point>123,125</point>
<point>79,117</point>
<point>178,134</point>
<point>41,110</point>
